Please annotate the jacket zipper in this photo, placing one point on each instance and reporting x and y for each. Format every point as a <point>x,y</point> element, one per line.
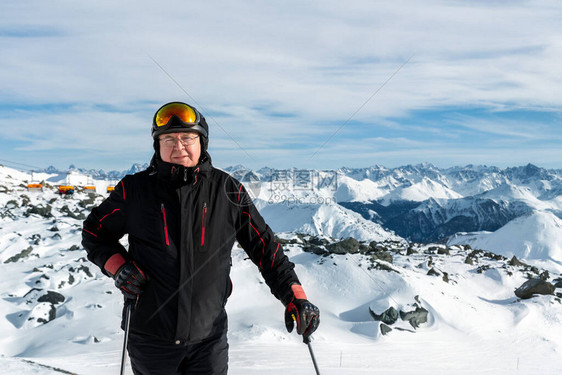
<point>165,224</point>
<point>203,227</point>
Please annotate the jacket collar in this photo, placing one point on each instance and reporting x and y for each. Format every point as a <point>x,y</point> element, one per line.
<point>178,175</point>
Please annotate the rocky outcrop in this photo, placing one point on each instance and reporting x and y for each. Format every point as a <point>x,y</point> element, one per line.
<point>41,210</point>
<point>414,314</point>
<point>21,255</point>
<point>534,286</point>
<point>349,245</point>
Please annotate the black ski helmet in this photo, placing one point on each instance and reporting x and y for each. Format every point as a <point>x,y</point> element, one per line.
<point>176,117</point>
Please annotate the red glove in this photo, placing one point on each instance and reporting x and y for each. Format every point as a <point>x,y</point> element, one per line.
<point>301,312</point>
<point>129,278</point>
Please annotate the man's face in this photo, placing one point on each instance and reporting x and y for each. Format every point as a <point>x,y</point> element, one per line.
<point>180,148</point>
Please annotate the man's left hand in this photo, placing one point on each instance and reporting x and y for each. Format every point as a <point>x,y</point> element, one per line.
<point>305,314</point>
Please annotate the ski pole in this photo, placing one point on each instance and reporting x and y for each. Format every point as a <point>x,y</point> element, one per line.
<point>306,340</point>
<point>128,309</point>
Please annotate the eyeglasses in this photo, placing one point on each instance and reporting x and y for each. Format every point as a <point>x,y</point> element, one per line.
<point>185,140</point>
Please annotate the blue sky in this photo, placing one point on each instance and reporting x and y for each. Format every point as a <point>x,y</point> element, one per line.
<point>319,84</point>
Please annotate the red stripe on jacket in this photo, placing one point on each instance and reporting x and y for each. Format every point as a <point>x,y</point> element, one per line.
<point>239,191</point>
<point>261,239</point>
<point>111,213</point>
<point>87,231</point>
<point>273,260</point>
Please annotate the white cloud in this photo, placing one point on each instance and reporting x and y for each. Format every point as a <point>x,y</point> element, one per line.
<point>317,61</point>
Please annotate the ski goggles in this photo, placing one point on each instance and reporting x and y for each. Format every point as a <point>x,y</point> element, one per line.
<point>176,116</point>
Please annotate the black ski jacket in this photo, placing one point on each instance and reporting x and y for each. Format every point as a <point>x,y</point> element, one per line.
<point>182,224</point>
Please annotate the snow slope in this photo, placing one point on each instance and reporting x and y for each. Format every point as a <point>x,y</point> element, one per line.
<point>510,192</point>
<point>421,191</point>
<point>364,190</point>
<point>327,220</point>
<point>534,237</point>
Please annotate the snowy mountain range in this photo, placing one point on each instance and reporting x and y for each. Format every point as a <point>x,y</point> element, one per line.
<point>355,236</point>
<point>96,173</point>
<point>420,203</point>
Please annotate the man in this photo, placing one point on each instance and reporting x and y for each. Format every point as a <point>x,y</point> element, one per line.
<point>182,217</point>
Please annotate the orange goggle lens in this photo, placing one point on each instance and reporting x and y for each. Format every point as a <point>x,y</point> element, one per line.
<point>184,112</point>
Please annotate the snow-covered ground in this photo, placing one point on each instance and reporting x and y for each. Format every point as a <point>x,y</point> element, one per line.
<point>475,324</point>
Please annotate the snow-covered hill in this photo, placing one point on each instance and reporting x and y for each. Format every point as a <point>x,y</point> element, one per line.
<point>419,192</point>
<point>59,313</point>
<point>326,220</point>
<point>534,236</point>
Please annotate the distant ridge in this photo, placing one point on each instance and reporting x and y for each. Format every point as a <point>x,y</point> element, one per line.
<point>420,203</point>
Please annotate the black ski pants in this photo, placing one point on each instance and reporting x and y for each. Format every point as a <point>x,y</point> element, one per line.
<point>152,357</point>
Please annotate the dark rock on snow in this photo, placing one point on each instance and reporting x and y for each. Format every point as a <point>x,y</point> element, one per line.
<point>349,245</point>
<point>534,286</point>
<point>416,317</point>
<point>385,329</point>
<point>52,297</point>
<point>390,316</point>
